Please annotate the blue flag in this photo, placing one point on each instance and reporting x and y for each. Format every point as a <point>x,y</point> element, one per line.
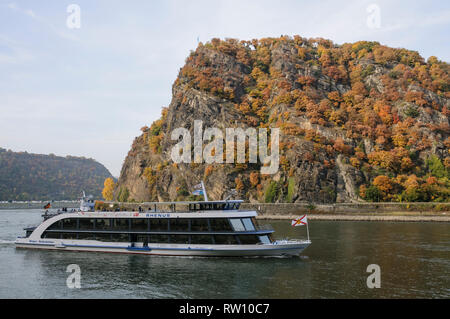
<point>197,192</point>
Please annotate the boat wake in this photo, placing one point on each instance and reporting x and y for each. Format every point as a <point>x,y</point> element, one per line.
<point>6,242</point>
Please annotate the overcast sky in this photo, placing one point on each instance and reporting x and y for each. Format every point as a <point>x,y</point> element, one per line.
<point>87,91</point>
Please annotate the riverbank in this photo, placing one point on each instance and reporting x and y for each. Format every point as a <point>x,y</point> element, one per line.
<point>355,217</point>
<point>338,208</point>
<point>39,205</point>
<point>392,212</point>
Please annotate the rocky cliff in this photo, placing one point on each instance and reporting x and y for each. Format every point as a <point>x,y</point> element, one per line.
<point>358,121</point>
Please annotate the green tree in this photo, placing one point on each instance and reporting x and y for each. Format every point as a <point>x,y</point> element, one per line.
<point>271,192</point>
<point>373,194</point>
<point>435,167</point>
<point>291,188</point>
<point>123,195</point>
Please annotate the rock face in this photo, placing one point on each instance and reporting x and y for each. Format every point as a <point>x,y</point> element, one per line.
<point>347,114</point>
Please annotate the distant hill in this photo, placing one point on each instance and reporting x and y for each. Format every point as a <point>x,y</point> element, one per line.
<point>25,176</point>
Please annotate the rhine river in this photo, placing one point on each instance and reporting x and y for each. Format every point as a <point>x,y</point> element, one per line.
<point>414,259</point>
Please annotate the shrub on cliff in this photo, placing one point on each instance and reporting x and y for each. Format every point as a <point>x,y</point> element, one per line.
<point>271,192</point>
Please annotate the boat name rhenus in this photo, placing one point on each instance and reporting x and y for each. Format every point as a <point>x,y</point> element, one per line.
<point>213,151</point>
<point>158,215</point>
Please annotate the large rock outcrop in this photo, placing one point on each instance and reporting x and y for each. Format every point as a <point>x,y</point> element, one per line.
<point>347,115</point>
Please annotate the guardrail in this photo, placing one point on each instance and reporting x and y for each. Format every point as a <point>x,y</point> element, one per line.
<point>291,241</point>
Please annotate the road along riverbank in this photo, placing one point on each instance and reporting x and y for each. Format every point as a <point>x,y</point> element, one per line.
<point>354,217</point>
<point>395,212</point>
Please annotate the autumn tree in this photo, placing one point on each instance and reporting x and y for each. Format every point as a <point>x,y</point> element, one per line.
<point>254,178</point>
<point>384,184</point>
<point>108,189</point>
<point>239,184</point>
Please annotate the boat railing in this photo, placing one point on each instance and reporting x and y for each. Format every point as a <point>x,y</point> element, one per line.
<point>193,206</point>
<point>290,241</point>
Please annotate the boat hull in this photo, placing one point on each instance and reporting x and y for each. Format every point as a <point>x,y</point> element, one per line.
<point>288,249</point>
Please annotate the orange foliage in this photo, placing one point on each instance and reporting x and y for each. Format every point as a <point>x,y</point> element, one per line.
<point>254,178</point>
<point>239,184</point>
<point>384,184</point>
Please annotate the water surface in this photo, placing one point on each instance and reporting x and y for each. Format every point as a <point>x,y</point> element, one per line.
<point>414,260</point>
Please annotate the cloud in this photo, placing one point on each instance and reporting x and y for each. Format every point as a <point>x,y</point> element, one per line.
<point>435,19</point>
<point>13,53</point>
<point>30,13</point>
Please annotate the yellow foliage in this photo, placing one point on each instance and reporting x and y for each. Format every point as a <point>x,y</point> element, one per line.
<point>108,189</point>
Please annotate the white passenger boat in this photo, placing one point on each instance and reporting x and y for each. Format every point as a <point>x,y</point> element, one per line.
<point>207,228</point>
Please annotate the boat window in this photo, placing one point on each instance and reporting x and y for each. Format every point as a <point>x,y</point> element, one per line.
<point>51,235</point>
<point>121,224</point>
<point>193,207</point>
<point>86,223</point>
<point>201,239</point>
<point>248,239</point>
<point>220,224</point>
<point>179,239</point>
<point>179,224</point>
<point>86,236</point>
<point>237,224</point>
<point>103,237</point>
<point>248,224</point>
<point>159,224</point>
<point>120,238</point>
<point>69,236</point>
<point>103,224</point>
<point>157,239</point>
<point>199,224</point>
<point>142,239</point>
<point>56,225</point>
<point>69,223</point>
<point>225,240</point>
<point>264,239</point>
<point>139,224</point>
<point>219,206</point>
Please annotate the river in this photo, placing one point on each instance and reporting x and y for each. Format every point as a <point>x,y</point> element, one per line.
<point>414,261</point>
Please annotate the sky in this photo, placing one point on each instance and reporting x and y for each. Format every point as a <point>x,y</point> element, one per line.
<point>87,90</point>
